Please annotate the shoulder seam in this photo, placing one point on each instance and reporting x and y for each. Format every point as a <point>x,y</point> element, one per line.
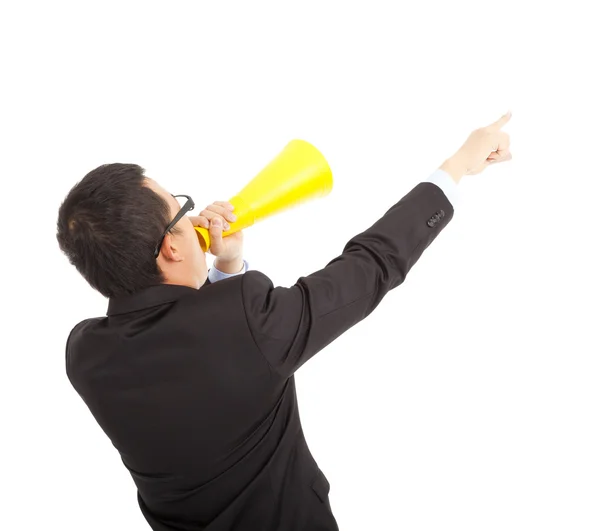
<point>271,368</point>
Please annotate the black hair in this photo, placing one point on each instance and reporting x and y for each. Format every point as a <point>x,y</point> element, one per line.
<point>108,227</point>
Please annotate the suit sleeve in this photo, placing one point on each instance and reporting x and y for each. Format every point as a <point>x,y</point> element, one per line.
<point>291,324</point>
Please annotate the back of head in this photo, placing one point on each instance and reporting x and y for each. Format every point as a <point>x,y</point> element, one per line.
<point>108,226</point>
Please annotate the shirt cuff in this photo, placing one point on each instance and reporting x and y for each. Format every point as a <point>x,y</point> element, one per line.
<point>448,185</point>
<point>214,275</point>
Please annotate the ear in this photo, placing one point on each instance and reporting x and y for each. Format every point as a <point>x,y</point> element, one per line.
<point>169,251</point>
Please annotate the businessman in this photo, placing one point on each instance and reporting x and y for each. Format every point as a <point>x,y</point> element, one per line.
<point>191,372</point>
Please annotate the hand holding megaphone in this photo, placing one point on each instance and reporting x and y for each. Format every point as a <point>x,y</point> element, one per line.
<point>299,173</point>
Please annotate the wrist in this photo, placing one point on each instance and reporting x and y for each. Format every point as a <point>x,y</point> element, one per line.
<point>455,168</point>
<point>229,265</point>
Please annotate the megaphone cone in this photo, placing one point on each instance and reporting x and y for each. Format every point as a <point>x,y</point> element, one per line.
<point>297,174</point>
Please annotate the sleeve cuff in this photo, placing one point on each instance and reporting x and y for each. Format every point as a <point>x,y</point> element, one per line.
<point>214,275</point>
<point>447,184</point>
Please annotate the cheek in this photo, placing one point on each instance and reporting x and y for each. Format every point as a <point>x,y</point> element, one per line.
<point>200,254</point>
<point>193,239</point>
<point>194,244</point>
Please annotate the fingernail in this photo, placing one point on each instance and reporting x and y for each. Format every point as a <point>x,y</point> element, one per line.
<point>226,226</point>
<point>232,217</point>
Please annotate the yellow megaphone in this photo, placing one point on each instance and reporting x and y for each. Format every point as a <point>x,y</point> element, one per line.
<point>297,174</point>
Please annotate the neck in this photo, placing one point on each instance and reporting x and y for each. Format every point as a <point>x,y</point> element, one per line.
<point>179,279</point>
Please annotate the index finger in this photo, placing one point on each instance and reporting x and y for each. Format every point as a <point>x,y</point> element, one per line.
<point>498,124</point>
<point>225,204</point>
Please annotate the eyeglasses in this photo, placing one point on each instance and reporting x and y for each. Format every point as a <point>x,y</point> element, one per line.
<point>187,206</point>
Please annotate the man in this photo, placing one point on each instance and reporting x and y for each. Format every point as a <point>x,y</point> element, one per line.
<point>191,373</point>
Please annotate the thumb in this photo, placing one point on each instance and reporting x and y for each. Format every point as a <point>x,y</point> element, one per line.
<point>216,236</point>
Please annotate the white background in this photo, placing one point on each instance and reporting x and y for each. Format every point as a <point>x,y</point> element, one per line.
<point>470,399</point>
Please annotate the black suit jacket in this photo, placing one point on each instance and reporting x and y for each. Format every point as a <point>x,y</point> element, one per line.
<point>195,387</point>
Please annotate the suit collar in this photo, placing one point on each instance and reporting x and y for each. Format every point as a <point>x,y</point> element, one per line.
<point>152,296</point>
